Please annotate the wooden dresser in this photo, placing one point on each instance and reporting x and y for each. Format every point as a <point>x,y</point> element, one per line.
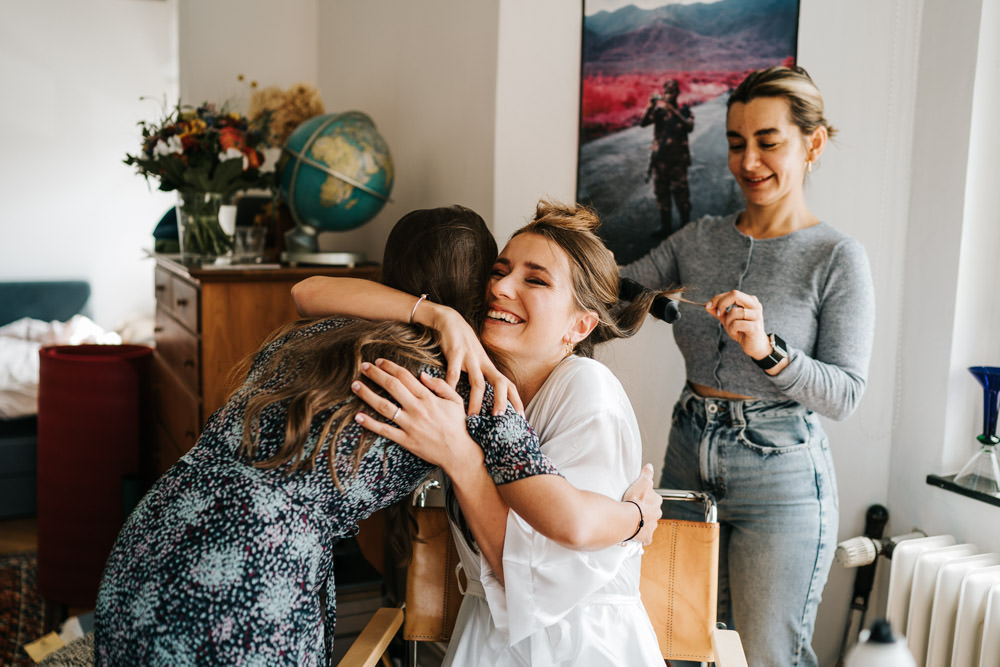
<point>207,321</point>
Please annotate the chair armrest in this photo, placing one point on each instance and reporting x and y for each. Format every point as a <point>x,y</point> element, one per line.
<point>728,649</point>
<point>368,647</point>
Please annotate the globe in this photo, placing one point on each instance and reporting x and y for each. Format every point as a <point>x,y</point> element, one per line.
<point>337,173</point>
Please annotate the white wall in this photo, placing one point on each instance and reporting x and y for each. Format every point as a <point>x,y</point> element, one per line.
<point>538,88</point>
<point>951,268</point>
<point>272,43</point>
<point>72,74</point>
<point>426,74</point>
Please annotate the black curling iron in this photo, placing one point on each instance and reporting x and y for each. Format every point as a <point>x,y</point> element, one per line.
<point>663,308</point>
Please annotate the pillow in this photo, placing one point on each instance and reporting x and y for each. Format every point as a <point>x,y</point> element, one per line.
<point>20,342</point>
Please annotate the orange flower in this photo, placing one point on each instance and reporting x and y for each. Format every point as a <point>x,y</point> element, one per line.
<point>253,158</point>
<point>231,137</point>
<point>189,142</point>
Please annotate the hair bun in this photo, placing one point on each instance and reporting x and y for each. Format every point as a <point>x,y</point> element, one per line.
<point>573,217</point>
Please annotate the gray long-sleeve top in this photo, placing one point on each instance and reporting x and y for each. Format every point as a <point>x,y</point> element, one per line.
<point>816,291</point>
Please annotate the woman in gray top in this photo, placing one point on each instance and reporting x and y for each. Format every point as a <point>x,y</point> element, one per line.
<point>787,335</point>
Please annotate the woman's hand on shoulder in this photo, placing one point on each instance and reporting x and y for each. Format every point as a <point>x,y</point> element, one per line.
<point>429,415</point>
<point>464,352</point>
<point>641,491</point>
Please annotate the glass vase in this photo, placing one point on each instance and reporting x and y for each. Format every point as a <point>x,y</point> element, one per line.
<point>205,227</point>
<point>982,472</point>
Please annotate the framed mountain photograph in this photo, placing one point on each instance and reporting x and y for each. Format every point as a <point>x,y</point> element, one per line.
<point>655,76</point>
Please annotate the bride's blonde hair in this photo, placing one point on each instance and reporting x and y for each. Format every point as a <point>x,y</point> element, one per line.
<point>573,227</point>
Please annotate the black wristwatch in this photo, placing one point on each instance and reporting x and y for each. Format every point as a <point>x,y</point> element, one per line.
<point>778,353</point>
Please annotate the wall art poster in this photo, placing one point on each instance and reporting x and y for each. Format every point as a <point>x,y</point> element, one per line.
<point>655,76</point>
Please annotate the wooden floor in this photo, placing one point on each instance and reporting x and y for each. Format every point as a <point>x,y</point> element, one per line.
<point>18,535</point>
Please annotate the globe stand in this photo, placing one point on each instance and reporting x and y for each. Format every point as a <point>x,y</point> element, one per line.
<point>302,247</point>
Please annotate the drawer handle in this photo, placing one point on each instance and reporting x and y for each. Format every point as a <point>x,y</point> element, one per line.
<point>160,288</point>
<point>182,302</point>
<point>157,329</point>
<point>189,363</point>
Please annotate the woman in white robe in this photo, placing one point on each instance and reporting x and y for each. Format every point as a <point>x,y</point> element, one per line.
<point>553,293</point>
<point>568,607</point>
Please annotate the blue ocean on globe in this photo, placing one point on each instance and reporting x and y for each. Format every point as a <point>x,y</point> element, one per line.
<point>338,173</point>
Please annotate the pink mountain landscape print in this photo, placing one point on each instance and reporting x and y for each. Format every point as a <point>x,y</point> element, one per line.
<point>628,53</point>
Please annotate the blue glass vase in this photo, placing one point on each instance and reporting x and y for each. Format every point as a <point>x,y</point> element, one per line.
<point>982,472</point>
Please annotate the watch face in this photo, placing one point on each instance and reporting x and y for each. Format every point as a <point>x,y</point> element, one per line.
<point>778,353</point>
<point>779,349</point>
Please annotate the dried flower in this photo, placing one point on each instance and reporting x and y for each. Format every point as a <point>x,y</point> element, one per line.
<point>287,108</point>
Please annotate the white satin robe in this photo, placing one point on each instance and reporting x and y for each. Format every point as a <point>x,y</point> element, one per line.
<point>562,606</point>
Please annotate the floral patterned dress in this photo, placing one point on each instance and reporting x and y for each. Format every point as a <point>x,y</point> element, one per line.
<point>225,563</point>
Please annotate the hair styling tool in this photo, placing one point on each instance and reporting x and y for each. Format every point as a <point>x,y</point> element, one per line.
<point>663,308</point>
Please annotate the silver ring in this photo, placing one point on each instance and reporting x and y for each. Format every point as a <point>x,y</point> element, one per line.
<point>395,414</point>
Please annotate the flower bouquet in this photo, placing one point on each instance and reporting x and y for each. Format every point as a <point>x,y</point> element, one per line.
<point>206,155</point>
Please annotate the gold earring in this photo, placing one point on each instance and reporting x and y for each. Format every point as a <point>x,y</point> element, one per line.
<point>809,166</point>
<point>568,347</point>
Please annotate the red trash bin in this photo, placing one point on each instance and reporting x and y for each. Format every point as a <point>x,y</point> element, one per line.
<point>92,416</point>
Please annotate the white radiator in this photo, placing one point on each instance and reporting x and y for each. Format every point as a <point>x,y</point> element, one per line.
<point>945,598</point>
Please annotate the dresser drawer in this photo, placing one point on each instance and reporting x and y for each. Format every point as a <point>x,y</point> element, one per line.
<point>163,282</point>
<point>185,303</point>
<point>178,349</point>
<point>177,414</point>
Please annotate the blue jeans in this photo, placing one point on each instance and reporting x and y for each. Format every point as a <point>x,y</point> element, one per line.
<point>768,465</point>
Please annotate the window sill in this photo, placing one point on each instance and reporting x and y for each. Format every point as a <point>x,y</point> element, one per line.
<point>946,482</point>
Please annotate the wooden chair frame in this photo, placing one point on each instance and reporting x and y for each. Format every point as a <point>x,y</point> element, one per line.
<point>671,541</point>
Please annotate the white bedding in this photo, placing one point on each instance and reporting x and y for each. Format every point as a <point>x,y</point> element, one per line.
<point>20,342</point>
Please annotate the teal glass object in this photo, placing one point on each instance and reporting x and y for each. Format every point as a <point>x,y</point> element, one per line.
<point>337,172</point>
<point>982,472</point>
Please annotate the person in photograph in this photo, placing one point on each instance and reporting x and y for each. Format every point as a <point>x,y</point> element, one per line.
<point>670,156</point>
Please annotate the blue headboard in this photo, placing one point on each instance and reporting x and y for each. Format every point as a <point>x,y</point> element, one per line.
<point>45,300</point>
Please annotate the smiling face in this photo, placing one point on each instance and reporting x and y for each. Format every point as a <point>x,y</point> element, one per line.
<point>531,307</point>
<point>768,152</point>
